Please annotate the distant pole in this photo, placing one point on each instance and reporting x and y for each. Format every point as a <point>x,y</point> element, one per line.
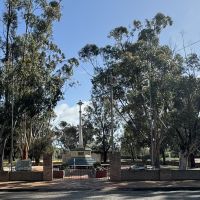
<point>12,120</point>
<point>111,105</point>
<point>12,125</point>
<point>80,103</point>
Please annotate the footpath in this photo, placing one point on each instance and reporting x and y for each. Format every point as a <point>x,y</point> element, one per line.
<point>98,184</point>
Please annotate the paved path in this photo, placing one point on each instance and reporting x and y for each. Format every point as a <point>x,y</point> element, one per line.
<point>98,184</point>
<point>101,195</point>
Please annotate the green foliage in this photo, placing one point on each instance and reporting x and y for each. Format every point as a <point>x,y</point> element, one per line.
<point>118,33</point>
<point>40,146</point>
<point>98,115</point>
<point>33,68</point>
<point>96,165</point>
<point>88,132</point>
<point>66,135</point>
<point>185,114</point>
<point>143,72</point>
<point>65,166</point>
<point>89,51</point>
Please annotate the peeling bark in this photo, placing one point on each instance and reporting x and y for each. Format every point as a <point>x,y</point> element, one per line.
<point>183,160</point>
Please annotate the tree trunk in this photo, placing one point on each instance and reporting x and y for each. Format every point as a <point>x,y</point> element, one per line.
<point>37,161</point>
<point>163,156</point>
<point>157,158</point>
<point>183,160</point>
<point>191,161</point>
<point>25,152</point>
<point>132,153</point>
<point>156,154</point>
<point>104,156</point>
<point>2,147</point>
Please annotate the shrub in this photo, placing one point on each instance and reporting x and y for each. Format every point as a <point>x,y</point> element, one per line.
<point>96,165</point>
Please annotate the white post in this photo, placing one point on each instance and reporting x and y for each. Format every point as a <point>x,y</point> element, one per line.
<point>80,126</point>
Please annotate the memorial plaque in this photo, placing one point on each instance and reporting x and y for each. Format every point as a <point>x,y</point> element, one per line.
<point>23,165</point>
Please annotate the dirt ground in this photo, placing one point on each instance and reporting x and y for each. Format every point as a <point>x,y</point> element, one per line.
<point>37,168</point>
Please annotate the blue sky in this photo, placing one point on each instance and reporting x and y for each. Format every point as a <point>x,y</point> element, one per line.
<point>90,21</point>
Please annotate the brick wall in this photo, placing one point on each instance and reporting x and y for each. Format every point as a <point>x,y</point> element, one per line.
<point>47,167</point>
<point>4,176</point>
<point>59,174</point>
<point>118,174</point>
<point>115,166</point>
<point>159,175</point>
<point>26,176</point>
<point>130,175</point>
<point>179,175</point>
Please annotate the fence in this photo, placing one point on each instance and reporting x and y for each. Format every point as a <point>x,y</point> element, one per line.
<point>79,173</point>
<point>84,174</point>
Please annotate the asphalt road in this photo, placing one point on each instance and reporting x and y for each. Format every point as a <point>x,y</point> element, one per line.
<point>99,194</point>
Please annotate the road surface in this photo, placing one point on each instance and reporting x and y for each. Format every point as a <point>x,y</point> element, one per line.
<point>101,194</point>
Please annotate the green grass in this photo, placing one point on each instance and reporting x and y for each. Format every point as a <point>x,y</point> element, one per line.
<point>7,164</point>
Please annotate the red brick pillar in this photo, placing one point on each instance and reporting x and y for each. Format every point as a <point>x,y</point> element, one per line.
<point>115,166</point>
<point>47,167</point>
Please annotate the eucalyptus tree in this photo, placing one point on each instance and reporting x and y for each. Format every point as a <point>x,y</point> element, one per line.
<point>88,132</point>
<point>41,137</point>
<point>185,115</point>
<point>98,114</point>
<point>133,143</point>
<point>143,70</point>
<point>10,25</point>
<point>66,136</point>
<point>33,70</point>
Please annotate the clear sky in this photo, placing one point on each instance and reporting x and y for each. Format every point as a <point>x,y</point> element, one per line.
<point>90,21</point>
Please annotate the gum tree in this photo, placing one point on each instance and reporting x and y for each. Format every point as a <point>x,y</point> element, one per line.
<point>33,68</point>
<point>143,70</point>
<point>185,115</point>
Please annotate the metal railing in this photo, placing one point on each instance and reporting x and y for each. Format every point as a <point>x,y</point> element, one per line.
<point>83,173</point>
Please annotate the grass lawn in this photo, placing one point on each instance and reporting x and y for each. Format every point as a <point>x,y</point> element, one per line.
<point>6,165</point>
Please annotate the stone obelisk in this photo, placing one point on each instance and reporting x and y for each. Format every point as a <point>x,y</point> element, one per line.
<point>80,145</point>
